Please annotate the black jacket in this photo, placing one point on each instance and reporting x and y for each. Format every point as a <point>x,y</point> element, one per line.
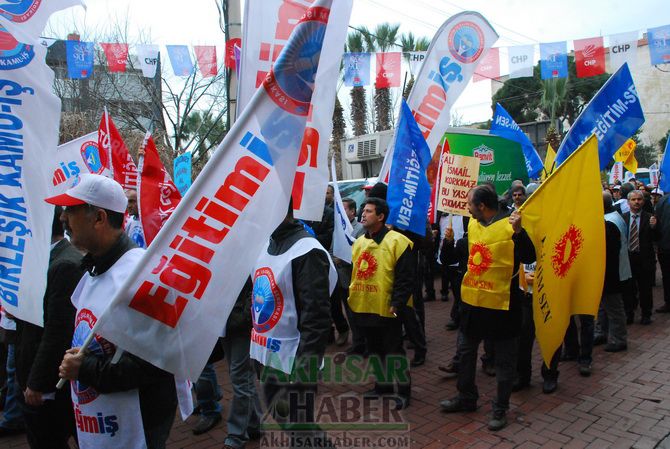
<point>646,239</point>
<point>501,324</point>
<point>662,229</point>
<point>39,351</point>
<point>157,394</point>
<point>612,284</point>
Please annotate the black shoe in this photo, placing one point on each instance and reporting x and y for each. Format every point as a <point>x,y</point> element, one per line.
<point>489,369</point>
<point>455,405</point>
<point>444,298</point>
<point>450,371</point>
<point>585,369</point>
<point>206,423</point>
<point>599,340</point>
<point>615,347</point>
<point>418,360</point>
<point>452,325</point>
<point>549,385</point>
<point>520,385</point>
<point>498,421</point>
<point>663,309</point>
<point>565,357</point>
<point>401,402</point>
<point>377,393</point>
<point>10,431</point>
<point>645,320</point>
<point>429,298</point>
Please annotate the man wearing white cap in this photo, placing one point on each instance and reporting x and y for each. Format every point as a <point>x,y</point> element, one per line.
<point>130,403</point>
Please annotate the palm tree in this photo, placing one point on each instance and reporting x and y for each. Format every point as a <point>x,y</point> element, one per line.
<point>385,37</point>
<point>554,97</point>
<point>409,43</point>
<point>356,41</point>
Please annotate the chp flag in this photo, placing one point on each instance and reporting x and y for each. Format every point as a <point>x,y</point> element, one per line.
<point>172,310</point>
<point>266,30</point>
<point>157,196</point>
<point>456,50</point>
<point>30,121</point>
<point>343,232</point>
<point>569,245</point>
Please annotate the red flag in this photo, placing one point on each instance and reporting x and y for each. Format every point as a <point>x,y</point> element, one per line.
<point>123,167</point>
<point>156,193</point>
<point>589,57</point>
<point>206,56</point>
<point>388,70</point>
<point>230,52</point>
<point>434,174</point>
<point>117,56</point>
<point>489,68</point>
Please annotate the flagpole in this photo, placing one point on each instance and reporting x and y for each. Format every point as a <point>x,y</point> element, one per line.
<point>109,144</point>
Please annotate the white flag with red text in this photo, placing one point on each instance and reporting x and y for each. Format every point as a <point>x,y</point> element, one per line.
<point>174,307</point>
<point>267,27</point>
<point>157,196</point>
<point>458,47</point>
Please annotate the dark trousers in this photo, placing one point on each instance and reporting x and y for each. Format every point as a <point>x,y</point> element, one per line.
<point>505,364</point>
<point>526,339</point>
<point>50,425</point>
<point>451,279</point>
<point>642,282</point>
<point>580,344</point>
<point>664,262</point>
<point>456,279</point>
<point>357,336</point>
<point>339,296</point>
<point>415,333</point>
<point>383,342</point>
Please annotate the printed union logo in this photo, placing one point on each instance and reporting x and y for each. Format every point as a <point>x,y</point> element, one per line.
<point>267,300</point>
<point>366,266</point>
<point>466,42</point>
<point>290,83</point>
<point>484,154</point>
<point>13,54</point>
<point>90,153</point>
<point>83,324</point>
<point>566,251</point>
<point>19,10</point>
<point>480,259</point>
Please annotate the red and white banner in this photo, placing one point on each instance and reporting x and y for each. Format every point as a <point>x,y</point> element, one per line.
<point>616,173</point>
<point>589,57</point>
<point>157,196</point>
<point>123,168</point>
<point>458,47</point>
<point>26,19</point>
<point>267,27</point>
<point>206,56</point>
<point>29,134</point>
<point>231,62</point>
<point>173,308</point>
<point>117,56</point>
<point>77,156</point>
<point>388,70</point>
<point>489,68</point>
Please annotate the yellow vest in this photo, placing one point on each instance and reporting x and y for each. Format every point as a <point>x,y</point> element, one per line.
<point>373,273</point>
<point>490,265</point>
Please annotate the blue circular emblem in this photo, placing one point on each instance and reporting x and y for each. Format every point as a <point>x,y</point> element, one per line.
<point>19,10</point>
<point>13,54</point>
<point>83,324</point>
<point>466,42</point>
<point>267,301</point>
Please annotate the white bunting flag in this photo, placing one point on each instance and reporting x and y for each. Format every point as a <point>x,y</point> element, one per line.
<point>616,174</point>
<point>653,174</point>
<point>623,49</point>
<point>77,156</point>
<point>148,56</point>
<point>342,231</point>
<point>416,59</point>
<point>521,61</point>
<point>174,307</point>
<point>267,27</point>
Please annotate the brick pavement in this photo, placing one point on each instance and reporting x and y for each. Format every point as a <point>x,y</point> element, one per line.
<point>625,403</point>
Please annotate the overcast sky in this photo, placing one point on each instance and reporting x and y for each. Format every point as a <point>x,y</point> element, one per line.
<point>195,22</point>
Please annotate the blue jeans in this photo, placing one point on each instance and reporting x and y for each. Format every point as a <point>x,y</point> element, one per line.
<point>245,406</point>
<point>208,392</point>
<point>12,416</point>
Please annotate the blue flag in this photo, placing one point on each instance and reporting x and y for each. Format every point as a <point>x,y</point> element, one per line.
<point>664,179</point>
<point>613,115</point>
<point>408,192</point>
<point>659,44</point>
<point>182,173</point>
<point>79,57</point>
<point>503,125</point>
<point>357,69</point>
<point>554,60</point>
<point>180,58</point>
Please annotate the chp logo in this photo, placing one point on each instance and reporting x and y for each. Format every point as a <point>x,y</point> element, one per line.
<point>480,259</point>
<point>484,154</point>
<point>466,42</point>
<point>19,10</point>
<point>566,250</point>
<point>290,83</point>
<point>267,301</point>
<point>13,54</point>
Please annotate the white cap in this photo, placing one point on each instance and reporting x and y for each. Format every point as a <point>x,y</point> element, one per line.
<point>96,190</point>
<point>657,191</point>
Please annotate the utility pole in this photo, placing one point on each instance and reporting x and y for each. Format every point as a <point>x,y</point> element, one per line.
<point>232,29</point>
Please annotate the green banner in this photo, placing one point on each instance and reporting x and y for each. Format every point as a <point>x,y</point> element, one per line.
<point>500,160</point>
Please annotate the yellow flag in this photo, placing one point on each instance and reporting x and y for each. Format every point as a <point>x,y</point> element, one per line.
<point>626,154</point>
<point>548,162</point>
<point>565,220</point>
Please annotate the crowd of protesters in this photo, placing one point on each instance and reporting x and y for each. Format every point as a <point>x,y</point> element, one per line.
<point>372,304</point>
